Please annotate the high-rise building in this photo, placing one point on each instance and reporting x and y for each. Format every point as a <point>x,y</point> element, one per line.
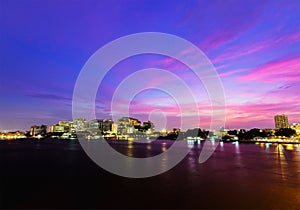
<point>281,121</point>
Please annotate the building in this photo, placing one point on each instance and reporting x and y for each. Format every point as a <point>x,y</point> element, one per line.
<point>128,125</point>
<point>68,126</point>
<point>114,128</point>
<point>296,127</point>
<point>12,135</point>
<point>36,131</point>
<point>102,125</point>
<point>56,128</point>
<point>281,121</point>
<point>106,126</point>
<point>61,127</point>
<point>94,125</point>
<point>80,124</point>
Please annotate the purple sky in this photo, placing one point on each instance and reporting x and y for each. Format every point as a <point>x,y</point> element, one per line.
<point>254,45</point>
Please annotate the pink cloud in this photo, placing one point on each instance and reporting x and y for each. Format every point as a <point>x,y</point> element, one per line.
<point>260,115</point>
<point>274,41</point>
<point>275,71</point>
<point>228,73</point>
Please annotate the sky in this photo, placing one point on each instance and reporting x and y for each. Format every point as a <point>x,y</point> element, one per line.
<point>253,45</point>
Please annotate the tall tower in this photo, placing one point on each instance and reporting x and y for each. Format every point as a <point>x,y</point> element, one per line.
<point>281,121</point>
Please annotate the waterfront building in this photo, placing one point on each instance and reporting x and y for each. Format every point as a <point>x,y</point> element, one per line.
<point>68,126</point>
<point>102,125</point>
<point>80,124</point>
<point>62,127</point>
<point>38,131</point>
<point>281,121</point>
<point>128,125</point>
<point>12,135</point>
<point>56,128</point>
<point>114,128</point>
<point>94,125</point>
<point>296,127</point>
<point>107,126</point>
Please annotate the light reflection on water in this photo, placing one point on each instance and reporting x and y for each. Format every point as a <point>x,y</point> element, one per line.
<point>246,170</point>
<point>289,147</point>
<point>282,162</point>
<point>263,175</point>
<point>237,148</point>
<point>279,162</point>
<point>130,149</point>
<point>286,159</point>
<point>222,146</point>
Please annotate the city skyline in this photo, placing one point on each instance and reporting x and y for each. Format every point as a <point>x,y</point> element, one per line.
<point>280,121</point>
<point>44,47</point>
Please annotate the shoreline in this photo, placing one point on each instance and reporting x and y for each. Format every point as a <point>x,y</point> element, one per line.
<point>151,141</point>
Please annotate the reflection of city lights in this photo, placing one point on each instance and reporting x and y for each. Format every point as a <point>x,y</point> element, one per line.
<point>130,144</point>
<point>190,143</point>
<point>237,149</point>
<point>289,147</point>
<point>282,161</point>
<point>222,146</point>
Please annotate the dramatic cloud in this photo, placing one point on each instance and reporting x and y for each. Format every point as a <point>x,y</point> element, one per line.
<point>254,46</point>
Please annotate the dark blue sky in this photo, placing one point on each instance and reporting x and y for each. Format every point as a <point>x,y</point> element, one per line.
<point>254,45</point>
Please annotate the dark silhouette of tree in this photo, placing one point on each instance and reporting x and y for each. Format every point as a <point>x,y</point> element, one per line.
<point>196,132</point>
<point>232,132</point>
<point>288,132</point>
<point>226,138</point>
<point>255,132</point>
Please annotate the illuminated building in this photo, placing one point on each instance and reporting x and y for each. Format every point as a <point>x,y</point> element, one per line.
<point>80,124</point>
<point>68,126</point>
<point>128,125</point>
<point>57,128</point>
<point>38,130</point>
<point>103,125</point>
<point>107,126</point>
<point>281,121</point>
<point>114,128</point>
<point>12,135</point>
<point>62,127</point>
<point>296,127</point>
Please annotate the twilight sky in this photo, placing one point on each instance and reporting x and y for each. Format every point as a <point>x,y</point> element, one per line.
<point>254,46</point>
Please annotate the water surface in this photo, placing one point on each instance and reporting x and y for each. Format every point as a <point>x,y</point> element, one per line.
<point>58,174</point>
